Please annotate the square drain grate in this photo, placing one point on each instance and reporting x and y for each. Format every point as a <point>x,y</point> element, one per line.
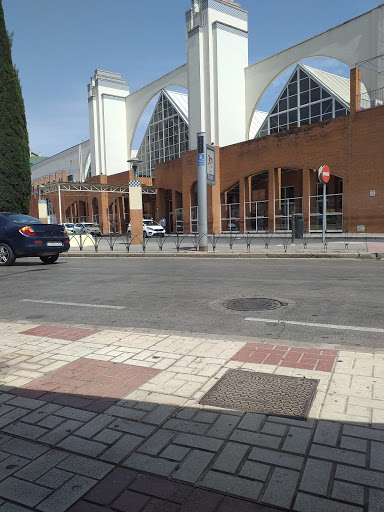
<point>263,393</point>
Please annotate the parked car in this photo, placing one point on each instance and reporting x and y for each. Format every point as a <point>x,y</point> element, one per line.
<point>23,236</point>
<point>69,226</point>
<point>91,228</point>
<point>151,228</point>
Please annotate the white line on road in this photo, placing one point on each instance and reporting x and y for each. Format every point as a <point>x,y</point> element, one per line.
<point>314,324</point>
<point>73,304</point>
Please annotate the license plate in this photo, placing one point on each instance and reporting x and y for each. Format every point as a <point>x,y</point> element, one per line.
<point>54,244</point>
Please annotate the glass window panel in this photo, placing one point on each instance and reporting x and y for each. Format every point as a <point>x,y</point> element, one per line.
<point>294,78</point>
<point>292,88</point>
<point>326,107</point>
<point>284,95</point>
<point>313,84</point>
<point>292,101</point>
<point>273,121</point>
<point>283,128</point>
<point>304,121</point>
<point>342,112</point>
<point>274,129</point>
<point>304,98</point>
<point>315,94</point>
<point>302,74</point>
<point>338,106</point>
<point>292,116</point>
<point>304,113</point>
<point>325,94</point>
<point>315,109</point>
<point>304,85</point>
<point>283,118</point>
<point>314,119</point>
<point>263,133</point>
<point>274,111</point>
<point>283,105</point>
<point>327,116</point>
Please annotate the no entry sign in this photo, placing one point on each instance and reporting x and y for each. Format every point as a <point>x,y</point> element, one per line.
<point>324,174</point>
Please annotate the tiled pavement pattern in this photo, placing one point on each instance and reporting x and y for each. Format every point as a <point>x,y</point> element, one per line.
<point>290,357</point>
<point>52,456</point>
<point>61,333</point>
<point>88,384</point>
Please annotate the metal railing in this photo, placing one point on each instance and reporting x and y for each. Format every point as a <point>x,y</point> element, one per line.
<point>371,99</point>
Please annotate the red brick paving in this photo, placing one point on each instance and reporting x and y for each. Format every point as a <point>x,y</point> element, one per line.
<point>60,333</point>
<point>87,384</point>
<point>305,358</point>
<point>125,490</point>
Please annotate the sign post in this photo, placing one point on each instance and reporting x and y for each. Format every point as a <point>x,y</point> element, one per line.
<point>324,175</point>
<point>202,191</point>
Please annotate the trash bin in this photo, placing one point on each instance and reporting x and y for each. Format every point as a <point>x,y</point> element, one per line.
<point>298,226</point>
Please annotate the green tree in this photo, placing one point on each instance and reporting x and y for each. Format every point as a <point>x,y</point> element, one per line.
<point>15,170</point>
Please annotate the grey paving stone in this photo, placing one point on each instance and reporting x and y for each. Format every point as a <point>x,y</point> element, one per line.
<point>125,412</point>
<point>202,442</point>
<point>297,440</point>
<point>68,494</point>
<point>377,456</point>
<point>143,406</point>
<point>337,455</point>
<point>252,421</point>
<point>27,403</point>
<point>353,443</point>
<point>255,470</point>
<point>160,414</point>
<point>281,488</point>
<point>83,446</point>
<point>193,467</point>
<point>174,452</point>
<point>9,507</point>
<point>75,414</point>
<point>4,438</point>
<point>38,467</point>
<point>243,436</point>
<point>348,492</point>
<point>316,476</point>
<point>230,458</point>
<point>376,500</point>
<point>276,458</point>
<point>156,442</point>
<point>94,426</point>
<point>232,485</point>
<point>54,478</point>
<point>4,397</point>
<point>41,413</point>
<point>86,467</point>
<point>191,427</point>
<point>122,448</point>
<point>275,429</point>
<point>12,416</point>
<point>360,476</point>
<point>10,465</point>
<point>308,423</point>
<point>224,426</point>
<point>132,427</point>
<point>186,413</point>
<point>206,417</point>
<point>364,432</point>
<point>3,456</point>
<point>23,492</point>
<point>108,436</point>
<point>4,409</point>
<point>24,448</point>
<point>327,432</point>
<point>25,430</point>
<point>155,465</point>
<point>51,422</point>
<point>307,502</point>
<point>61,432</point>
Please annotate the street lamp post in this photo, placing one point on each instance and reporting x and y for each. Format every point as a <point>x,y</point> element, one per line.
<point>134,163</point>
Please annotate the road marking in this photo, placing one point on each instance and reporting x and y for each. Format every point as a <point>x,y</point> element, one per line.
<point>73,304</point>
<point>315,324</point>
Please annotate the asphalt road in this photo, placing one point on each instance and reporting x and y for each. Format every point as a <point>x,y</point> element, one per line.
<point>186,295</point>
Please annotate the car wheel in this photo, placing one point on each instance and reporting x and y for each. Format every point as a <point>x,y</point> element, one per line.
<point>7,256</point>
<point>47,260</point>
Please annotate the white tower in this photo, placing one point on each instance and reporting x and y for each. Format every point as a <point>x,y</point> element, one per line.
<point>217,52</point>
<point>107,122</point>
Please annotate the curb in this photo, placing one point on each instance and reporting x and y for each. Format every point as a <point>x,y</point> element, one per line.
<point>312,255</point>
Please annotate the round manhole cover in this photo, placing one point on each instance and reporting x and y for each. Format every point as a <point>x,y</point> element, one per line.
<point>253,304</point>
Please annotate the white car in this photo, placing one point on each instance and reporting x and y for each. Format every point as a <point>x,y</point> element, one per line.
<point>87,227</point>
<point>151,228</point>
<point>69,226</point>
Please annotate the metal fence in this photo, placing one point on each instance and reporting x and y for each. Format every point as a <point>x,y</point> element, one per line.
<point>371,99</point>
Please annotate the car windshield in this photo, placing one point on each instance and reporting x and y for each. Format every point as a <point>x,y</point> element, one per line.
<point>150,223</point>
<point>69,225</point>
<point>19,218</point>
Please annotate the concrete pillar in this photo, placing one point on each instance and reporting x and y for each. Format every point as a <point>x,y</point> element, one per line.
<point>120,215</point>
<point>271,199</point>
<point>136,211</point>
<point>355,90</point>
<point>306,180</point>
<point>103,208</point>
<point>173,227</point>
<point>242,201</point>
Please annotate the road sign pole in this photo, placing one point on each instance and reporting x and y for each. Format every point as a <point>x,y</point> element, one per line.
<point>324,210</point>
<point>202,191</point>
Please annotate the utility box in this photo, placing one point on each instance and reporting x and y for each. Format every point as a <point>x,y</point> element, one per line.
<point>297,225</point>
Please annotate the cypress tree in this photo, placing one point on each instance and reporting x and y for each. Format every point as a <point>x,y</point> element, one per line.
<point>15,171</point>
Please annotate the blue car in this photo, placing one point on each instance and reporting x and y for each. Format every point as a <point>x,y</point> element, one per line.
<point>22,236</point>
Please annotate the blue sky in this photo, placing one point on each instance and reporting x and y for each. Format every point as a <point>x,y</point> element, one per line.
<point>59,43</point>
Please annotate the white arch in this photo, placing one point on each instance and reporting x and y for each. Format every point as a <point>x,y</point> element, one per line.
<point>137,102</point>
<point>352,42</point>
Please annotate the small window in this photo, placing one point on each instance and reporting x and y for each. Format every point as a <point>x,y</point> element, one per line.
<point>292,88</point>
<point>325,94</point>
<point>284,95</point>
<point>292,116</point>
<point>302,74</point>
<point>274,111</point>
<point>304,113</point>
<point>339,106</point>
<point>292,101</point>
<point>315,94</point>
<point>304,98</point>
<point>294,78</point>
<point>304,85</point>
<point>283,105</point>
<point>313,84</point>
<point>283,118</point>
<point>315,109</point>
<point>273,121</point>
<point>326,107</point>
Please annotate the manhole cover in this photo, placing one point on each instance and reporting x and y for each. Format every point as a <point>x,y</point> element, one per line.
<point>263,393</point>
<point>253,304</point>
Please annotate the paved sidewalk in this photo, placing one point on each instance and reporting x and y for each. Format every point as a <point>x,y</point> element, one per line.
<point>108,420</point>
